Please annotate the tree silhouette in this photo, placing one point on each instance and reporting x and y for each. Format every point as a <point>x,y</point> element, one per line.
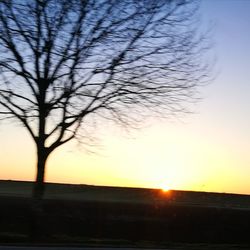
<point>65,62</point>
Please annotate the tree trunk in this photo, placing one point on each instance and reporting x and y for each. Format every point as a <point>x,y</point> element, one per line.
<point>39,187</point>
<point>37,230</point>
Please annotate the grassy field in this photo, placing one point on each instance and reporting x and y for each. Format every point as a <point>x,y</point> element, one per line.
<point>93,215</point>
<point>127,195</point>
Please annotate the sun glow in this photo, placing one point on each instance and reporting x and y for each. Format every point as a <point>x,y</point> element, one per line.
<point>165,189</point>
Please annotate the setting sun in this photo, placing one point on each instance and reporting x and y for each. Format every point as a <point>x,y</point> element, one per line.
<point>165,189</point>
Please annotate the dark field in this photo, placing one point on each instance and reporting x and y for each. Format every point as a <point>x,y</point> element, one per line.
<point>107,216</point>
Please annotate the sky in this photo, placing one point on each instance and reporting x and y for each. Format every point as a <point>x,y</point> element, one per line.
<point>208,150</point>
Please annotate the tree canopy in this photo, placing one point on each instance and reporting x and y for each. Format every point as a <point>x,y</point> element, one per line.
<point>64,63</point>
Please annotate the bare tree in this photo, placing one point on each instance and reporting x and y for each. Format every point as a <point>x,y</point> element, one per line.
<point>65,62</point>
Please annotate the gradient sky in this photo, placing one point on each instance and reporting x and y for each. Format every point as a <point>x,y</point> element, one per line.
<point>208,150</point>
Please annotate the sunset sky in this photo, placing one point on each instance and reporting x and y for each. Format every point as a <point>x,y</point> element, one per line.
<point>206,151</point>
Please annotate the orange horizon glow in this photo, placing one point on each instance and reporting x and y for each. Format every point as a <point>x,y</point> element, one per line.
<point>173,160</point>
